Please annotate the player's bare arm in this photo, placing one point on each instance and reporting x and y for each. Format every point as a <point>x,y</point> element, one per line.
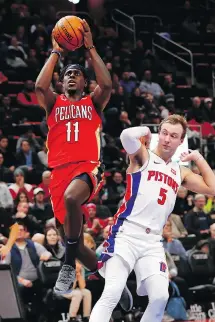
<point>205,183</point>
<point>135,141</point>
<point>102,92</point>
<point>45,95</point>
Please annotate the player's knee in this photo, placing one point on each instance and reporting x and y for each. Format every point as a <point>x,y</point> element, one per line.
<point>112,295</point>
<point>159,298</point>
<point>70,199</point>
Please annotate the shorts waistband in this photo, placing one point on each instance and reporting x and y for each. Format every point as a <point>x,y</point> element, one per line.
<point>147,230</point>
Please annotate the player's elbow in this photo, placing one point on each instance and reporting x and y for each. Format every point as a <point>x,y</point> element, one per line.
<point>124,135</point>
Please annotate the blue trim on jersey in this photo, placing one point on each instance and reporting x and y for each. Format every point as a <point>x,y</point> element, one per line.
<point>136,177</point>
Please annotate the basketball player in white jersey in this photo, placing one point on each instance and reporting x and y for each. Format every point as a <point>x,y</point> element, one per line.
<point>135,240</point>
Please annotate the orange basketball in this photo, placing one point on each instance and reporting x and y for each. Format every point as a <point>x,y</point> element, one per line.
<point>67,34</point>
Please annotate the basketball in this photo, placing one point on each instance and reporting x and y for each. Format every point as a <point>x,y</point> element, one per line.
<point>67,34</point>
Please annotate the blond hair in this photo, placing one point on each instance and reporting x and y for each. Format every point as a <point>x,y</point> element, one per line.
<point>175,119</point>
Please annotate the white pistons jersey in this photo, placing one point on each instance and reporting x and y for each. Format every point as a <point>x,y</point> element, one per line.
<point>150,195</point>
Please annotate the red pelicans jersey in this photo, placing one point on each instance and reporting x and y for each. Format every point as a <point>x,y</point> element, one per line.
<point>74,132</point>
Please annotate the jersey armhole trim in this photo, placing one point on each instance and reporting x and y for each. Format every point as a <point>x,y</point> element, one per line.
<point>144,166</point>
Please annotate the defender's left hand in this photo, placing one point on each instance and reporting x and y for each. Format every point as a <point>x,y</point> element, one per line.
<point>88,38</point>
<point>191,155</point>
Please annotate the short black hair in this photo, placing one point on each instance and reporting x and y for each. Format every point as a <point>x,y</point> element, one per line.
<point>73,66</point>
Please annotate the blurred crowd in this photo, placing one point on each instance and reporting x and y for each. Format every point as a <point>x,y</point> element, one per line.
<point>139,96</point>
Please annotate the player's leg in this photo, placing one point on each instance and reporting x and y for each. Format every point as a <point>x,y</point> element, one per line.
<point>152,280</point>
<point>77,193</point>
<point>156,287</point>
<point>116,274</point>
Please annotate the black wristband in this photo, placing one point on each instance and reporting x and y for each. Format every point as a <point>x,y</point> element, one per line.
<point>54,51</point>
<point>91,47</point>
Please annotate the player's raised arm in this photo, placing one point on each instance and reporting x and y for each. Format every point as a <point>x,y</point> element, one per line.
<point>45,95</point>
<point>102,92</point>
<point>135,141</point>
<point>204,184</point>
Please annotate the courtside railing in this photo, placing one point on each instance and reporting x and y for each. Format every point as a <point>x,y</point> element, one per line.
<point>126,22</point>
<point>172,48</point>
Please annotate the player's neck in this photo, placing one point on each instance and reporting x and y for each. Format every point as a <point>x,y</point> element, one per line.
<point>165,157</point>
<point>76,96</point>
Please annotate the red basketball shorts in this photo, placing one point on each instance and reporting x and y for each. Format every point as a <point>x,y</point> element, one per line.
<point>63,175</point>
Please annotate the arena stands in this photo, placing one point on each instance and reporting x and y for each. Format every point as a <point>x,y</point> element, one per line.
<point>150,82</point>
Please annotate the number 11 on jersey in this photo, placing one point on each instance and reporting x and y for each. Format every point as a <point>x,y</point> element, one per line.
<point>72,132</point>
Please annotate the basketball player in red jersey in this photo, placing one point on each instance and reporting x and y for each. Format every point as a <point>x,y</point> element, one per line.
<point>74,150</point>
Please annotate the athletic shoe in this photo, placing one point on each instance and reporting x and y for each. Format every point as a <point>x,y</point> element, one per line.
<point>126,300</point>
<point>65,280</point>
<point>167,318</point>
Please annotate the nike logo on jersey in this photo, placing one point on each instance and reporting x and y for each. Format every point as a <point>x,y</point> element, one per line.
<point>157,162</point>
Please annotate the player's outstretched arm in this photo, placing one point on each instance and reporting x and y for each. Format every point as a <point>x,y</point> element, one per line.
<point>45,95</point>
<point>135,141</point>
<point>102,92</point>
<point>204,184</point>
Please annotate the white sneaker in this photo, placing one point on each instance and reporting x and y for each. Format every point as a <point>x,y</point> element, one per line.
<point>65,280</point>
<point>167,318</point>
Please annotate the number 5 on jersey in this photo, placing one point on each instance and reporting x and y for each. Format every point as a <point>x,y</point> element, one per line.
<point>72,132</point>
<point>162,196</point>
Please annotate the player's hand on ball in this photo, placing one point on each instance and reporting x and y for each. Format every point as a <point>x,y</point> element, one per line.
<point>56,46</point>
<point>191,155</point>
<point>88,38</point>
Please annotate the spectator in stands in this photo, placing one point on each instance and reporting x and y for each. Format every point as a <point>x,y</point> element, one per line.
<point>124,120</point>
<point>197,221</point>
<point>21,36</point>
<point>93,223</point>
<point>9,158</point>
<point>22,197</point>
<point>6,174</point>
<point>46,176</point>
<point>173,246</point>
<point>20,185</point>
<point>178,229</point>
<point>27,97</point>
<point>17,49</point>
<point>27,158</point>
<point>127,83</point>
<point>33,63</point>
<point>151,104</point>
<point>6,200</point>
<point>208,111</point>
<point>183,203</point>
<point>41,210</point>
<point>53,244</point>
<point>118,99</point>
<point>30,137</point>
<point>6,112</point>
<point>147,86</point>
<point>195,112</point>
<point>15,63</point>
<point>168,85</point>
<point>140,117</point>
<point>116,188</point>
<point>78,294</point>
<point>24,258</point>
<point>136,101</point>
<point>22,215</point>
<point>42,155</point>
